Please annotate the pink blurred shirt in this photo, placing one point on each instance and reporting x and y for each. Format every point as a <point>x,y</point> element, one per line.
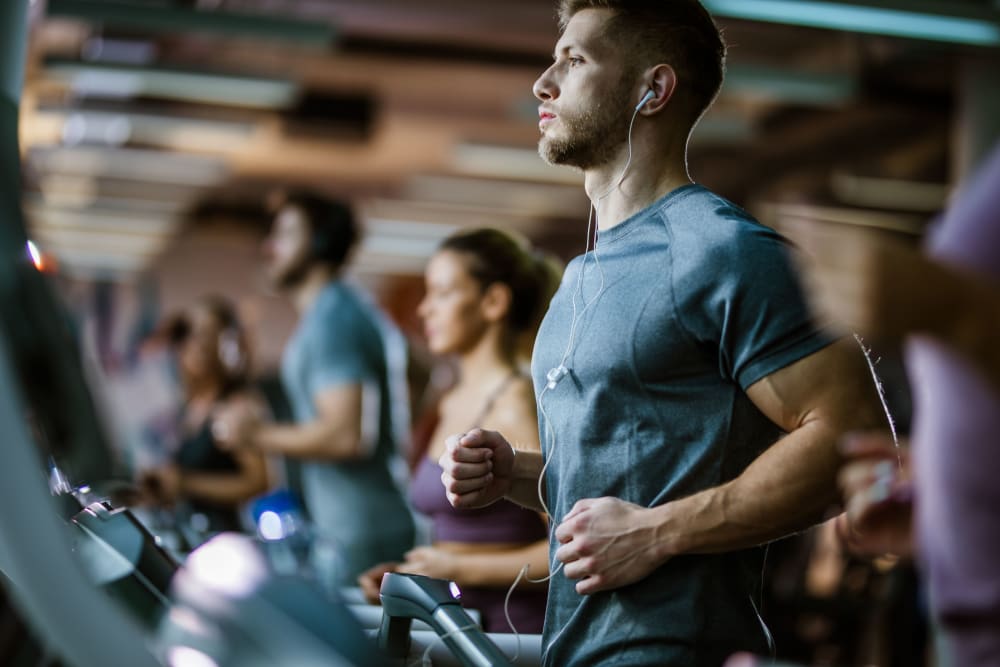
<point>957,447</point>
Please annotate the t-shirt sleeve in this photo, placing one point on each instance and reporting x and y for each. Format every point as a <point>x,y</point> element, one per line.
<point>750,304</point>
<point>339,353</point>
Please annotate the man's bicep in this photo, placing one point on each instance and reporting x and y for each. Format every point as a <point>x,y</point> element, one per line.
<point>832,384</point>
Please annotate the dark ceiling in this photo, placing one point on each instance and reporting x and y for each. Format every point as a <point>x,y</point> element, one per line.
<point>137,114</point>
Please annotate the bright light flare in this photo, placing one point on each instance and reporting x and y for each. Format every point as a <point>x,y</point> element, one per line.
<point>456,592</point>
<point>228,563</point>
<point>270,526</point>
<point>36,256</point>
<point>185,656</point>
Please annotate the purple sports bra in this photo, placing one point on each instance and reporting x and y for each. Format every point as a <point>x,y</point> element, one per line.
<point>501,522</point>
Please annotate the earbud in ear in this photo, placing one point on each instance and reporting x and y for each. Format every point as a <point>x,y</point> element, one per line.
<point>645,98</point>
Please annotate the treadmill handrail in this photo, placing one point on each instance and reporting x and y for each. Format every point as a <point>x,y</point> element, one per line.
<point>76,620</point>
<point>409,596</point>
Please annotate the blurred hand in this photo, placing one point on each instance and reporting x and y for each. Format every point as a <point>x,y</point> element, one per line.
<point>431,562</point>
<point>869,282</point>
<point>161,485</point>
<point>742,660</point>
<point>607,543</point>
<point>878,497</point>
<point>478,468</point>
<point>234,425</point>
<point>370,581</point>
<point>125,494</point>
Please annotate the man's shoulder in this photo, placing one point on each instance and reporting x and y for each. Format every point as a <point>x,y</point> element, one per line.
<point>709,220</point>
<point>341,306</point>
<point>718,235</point>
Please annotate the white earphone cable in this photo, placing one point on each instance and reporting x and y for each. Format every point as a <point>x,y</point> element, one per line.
<point>557,373</point>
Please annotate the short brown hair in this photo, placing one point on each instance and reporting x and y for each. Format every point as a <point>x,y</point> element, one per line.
<point>679,33</point>
<point>332,225</point>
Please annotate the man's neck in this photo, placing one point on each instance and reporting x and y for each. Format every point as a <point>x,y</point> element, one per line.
<point>305,293</point>
<point>656,169</point>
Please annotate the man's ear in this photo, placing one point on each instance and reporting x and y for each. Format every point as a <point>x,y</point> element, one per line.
<point>496,302</point>
<point>662,80</point>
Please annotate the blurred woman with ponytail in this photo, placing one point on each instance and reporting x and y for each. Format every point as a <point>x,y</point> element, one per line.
<point>486,293</point>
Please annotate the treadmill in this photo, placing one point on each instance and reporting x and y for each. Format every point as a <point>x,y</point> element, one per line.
<point>94,586</point>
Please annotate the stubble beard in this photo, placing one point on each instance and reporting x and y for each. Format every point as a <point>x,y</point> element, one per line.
<point>291,276</point>
<point>589,139</point>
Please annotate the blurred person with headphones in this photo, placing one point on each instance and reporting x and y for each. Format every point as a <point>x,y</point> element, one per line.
<point>339,380</point>
<point>689,408</point>
<point>205,484</point>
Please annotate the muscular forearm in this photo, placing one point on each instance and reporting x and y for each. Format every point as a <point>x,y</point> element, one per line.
<point>787,489</point>
<point>221,488</point>
<point>606,543</point>
<point>312,440</point>
<point>498,570</point>
<point>793,483</point>
<point>524,483</point>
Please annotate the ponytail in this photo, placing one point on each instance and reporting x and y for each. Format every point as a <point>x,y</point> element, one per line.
<point>496,256</point>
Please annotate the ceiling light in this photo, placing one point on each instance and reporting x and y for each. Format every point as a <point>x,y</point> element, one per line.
<point>940,22</point>
<point>128,82</point>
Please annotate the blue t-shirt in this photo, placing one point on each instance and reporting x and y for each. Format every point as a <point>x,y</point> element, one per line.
<point>355,504</point>
<point>699,301</point>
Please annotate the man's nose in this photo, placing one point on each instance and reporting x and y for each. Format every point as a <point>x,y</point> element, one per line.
<point>544,87</point>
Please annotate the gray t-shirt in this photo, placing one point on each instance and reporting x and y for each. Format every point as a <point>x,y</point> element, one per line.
<point>355,504</point>
<point>699,301</point>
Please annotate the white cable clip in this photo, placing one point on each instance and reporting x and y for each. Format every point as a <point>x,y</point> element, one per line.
<point>555,375</point>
